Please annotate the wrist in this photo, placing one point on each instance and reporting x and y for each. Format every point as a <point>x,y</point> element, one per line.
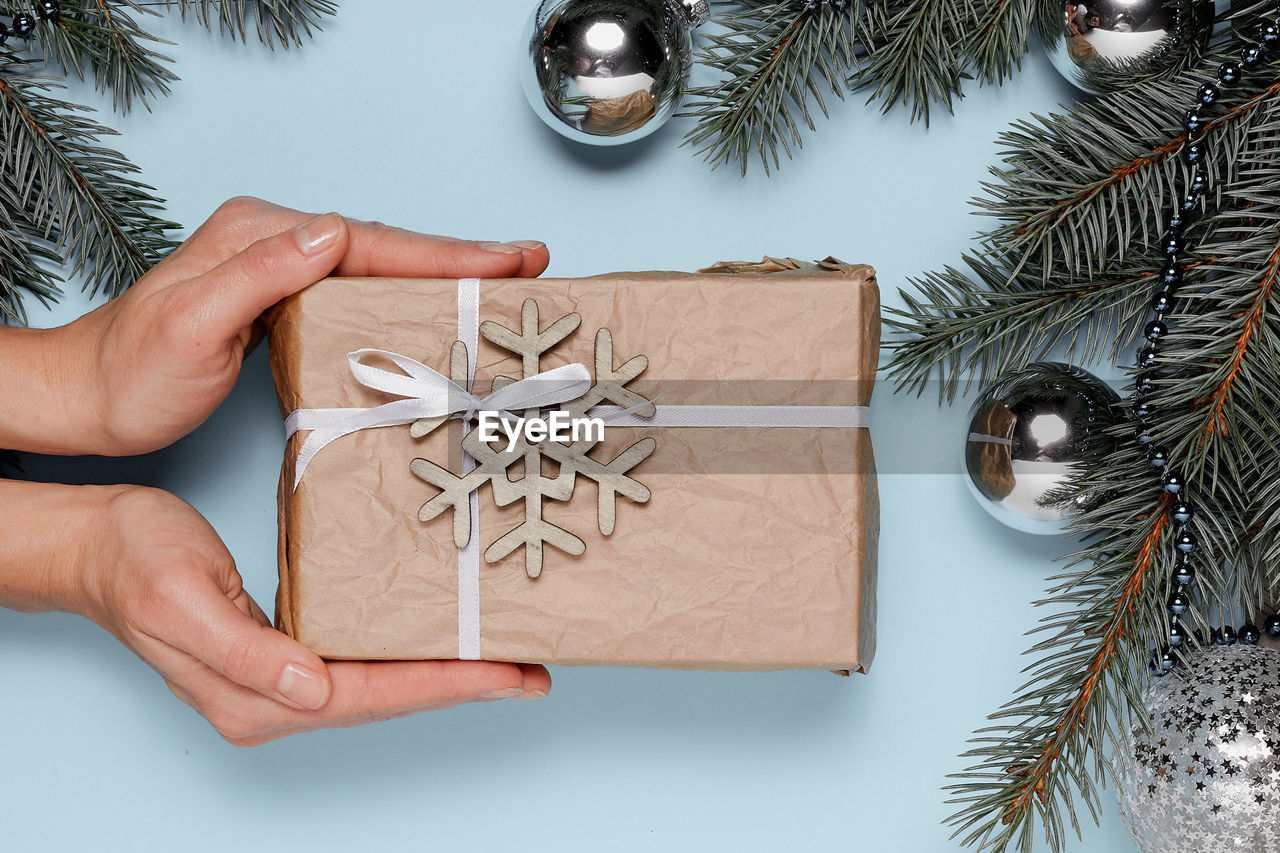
<point>55,398</point>
<point>55,544</point>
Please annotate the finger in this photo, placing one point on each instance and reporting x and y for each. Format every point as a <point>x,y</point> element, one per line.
<point>376,249</point>
<point>276,734</point>
<point>242,647</point>
<point>228,298</point>
<point>362,692</point>
<point>537,681</point>
<point>535,258</point>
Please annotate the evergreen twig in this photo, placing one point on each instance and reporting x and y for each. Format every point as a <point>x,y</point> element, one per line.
<point>774,57</point>
<point>104,39</point>
<point>918,61</point>
<point>67,197</point>
<point>283,22</point>
<point>1079,199</point>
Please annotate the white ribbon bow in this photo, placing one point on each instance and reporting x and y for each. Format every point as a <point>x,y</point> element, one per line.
<point>429,394</point>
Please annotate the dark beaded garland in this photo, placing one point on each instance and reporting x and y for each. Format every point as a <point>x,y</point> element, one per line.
<point>1199,183</point>
<point>23,24</point>
<point>1158,456</point>
<point>1192,122</point>
<point>1148,355</point>
<point>1172,244</point>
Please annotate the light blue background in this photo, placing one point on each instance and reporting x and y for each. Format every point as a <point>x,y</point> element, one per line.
<point>411,113</point>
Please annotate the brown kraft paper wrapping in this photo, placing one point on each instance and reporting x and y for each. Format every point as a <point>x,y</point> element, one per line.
<point>757,549</point>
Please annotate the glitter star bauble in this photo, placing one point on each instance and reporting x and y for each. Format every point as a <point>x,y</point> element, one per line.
<point>1028,433</point>
<point>1206,776</point>
<point>605,72</point>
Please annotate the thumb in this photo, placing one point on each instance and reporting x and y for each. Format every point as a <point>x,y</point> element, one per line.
<point>231,642</point>
<point>240,288</point>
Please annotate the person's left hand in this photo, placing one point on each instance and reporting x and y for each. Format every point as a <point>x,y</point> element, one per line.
<point>158,360</point>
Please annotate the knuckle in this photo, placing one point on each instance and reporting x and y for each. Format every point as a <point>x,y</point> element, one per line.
<point>236,209</point>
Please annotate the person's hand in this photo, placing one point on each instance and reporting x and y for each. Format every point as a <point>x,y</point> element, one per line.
<point>159,578</point>
<point>159,359</point>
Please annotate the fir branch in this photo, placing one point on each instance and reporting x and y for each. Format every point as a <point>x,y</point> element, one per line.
<point>917,61</point>
<point>104,39</point>
<point>1075,193</point>
<point>1027,767</point>
<point>22,250</point>
<point>283,22</point>
<point>775,56</point>
<point>1011,326</point>
<point>91,212</point>
<point>1217,396</point>
<point>1079,189</point>
<point>996,45</point>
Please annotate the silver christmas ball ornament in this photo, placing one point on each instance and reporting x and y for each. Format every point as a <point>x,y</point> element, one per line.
<point>1027,434</point>
<point>606,72</point>
<point>1107,45</point>
<point>1205,776</point>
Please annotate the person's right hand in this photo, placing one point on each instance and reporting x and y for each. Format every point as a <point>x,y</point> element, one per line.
<point>159,579</point>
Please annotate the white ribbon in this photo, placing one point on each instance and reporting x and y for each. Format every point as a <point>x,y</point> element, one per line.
<point>813,417</point>
<point>429,394</point>
<point>469,554</point>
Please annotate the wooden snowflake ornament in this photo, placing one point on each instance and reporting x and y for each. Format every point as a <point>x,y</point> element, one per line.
<point>524,458</point>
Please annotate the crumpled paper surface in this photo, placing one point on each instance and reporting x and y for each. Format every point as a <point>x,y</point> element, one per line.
<point>757,549</point>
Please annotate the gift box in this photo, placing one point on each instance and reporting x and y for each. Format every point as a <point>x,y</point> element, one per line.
<point>717,509</point>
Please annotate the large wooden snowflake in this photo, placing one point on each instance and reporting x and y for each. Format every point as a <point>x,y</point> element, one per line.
<point>518,473</point>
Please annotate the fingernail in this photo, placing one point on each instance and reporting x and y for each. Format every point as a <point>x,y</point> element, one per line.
<point>529,244</point>
<point>505,693</point>
<point>316,235</point>
<point>501,248</point>
<point>533,694</point>
<point>301,685</point>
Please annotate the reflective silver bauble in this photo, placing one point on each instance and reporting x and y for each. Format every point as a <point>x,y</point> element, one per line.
<point>607,72</point>
<point>1106,45</point>
<point>1027,435</point>
<point>1206,775</point>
